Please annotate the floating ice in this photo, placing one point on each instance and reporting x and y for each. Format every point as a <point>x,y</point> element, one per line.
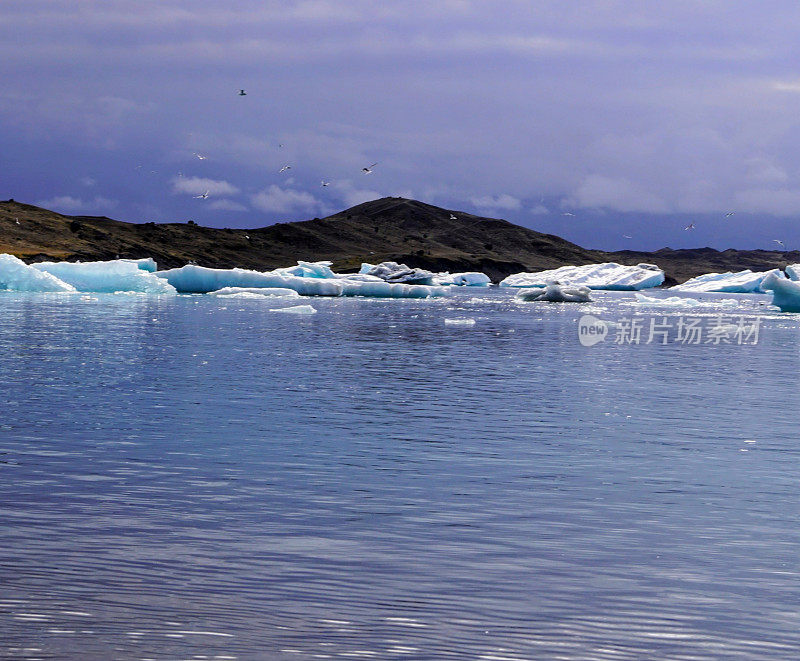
<point>263,292</point>
<point>742,282</point>
<point>793,271</point>
<point>459,322</point>
<point>309,270</point>
<point>201,280</point>
<point>112,276</point>
<point>16,275</point>
<point>594,276</point>
<point>785,293</point>
<point>467,279</point>
<point>682,302</point>
<point>296,309</point>
<point>394,272</point>
<point>146,264</point>
<point>555,293</point>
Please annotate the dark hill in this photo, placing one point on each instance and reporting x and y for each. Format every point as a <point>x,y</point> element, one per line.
<point>387,229</point>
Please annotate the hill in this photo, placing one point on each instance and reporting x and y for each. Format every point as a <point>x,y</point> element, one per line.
<point>396,229</point>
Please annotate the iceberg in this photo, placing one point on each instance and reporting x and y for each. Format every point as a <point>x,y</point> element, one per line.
<point>112,276</point>
<point>309,270</point>
<point>192,279</point>
<point>742,282</point>
<point>394,272</point>
<point>785,293</point>
<point>793,271</point>
<point>296,309</point>
<point>263,292</point>
<point>682,301</point>
<point>16,275</point>
<point>467,279</point>
<point>608,275</point>
<point>555,293</point>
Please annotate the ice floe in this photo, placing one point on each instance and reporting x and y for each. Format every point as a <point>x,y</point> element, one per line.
<point>682,301</point>
<point>394,272</point>
<point>556,293</point>
<point>793,271</point>
<point>119,275</point>
<point>608,275</point>
<point>742,282</point>
<point>466,279</point>
<point>296,309</point>
<point>262,292</point>
<point>16,275</point>
<point>459,322</point>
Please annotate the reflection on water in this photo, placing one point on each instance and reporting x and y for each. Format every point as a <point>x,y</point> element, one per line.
<point>200,478</point>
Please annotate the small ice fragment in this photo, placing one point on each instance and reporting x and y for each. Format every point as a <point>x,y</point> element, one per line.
<point>459,322</point>
<point>296,309</point>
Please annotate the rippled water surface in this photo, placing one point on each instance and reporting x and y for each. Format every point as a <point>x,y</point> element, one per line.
<point>191,477</point>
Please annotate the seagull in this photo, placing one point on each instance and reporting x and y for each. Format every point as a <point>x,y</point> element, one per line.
<point>780,243</point>
<point>690,226</point>
<point>16,220</point>
<point>284,168</point>
<point>627,236</point>
<point>203,196</point>
<point>567,213</point>
<point>324,183</point>
<point>247,236</point>
<point>452,217</point>
<point>242,93</point>
<point>729,214</point>
<point>368,170</point>
<point>200,156</point>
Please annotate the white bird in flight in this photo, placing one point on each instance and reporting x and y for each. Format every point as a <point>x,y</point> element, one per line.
<point>779,242</point>
<point>452,217</point>
<point>324,183</point>
<point>202,196</point>
<point>242,93</point>
<point>284,168</point>
<point>690,226</point>
<point>16,220</point>
<point>200,156</point>
<point>729,214</point>
<point>627,236</point>
<point>368,170</point>
<point>567,213</point>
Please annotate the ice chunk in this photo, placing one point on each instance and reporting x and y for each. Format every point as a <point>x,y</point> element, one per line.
<point>263,292</point>
<point>16,275</point>
<point>394,272</point>
<point>146,264</point>
<point>608,275</point>
<point>112,276</point>
<point>555,293</point>
<point>467,279</point>
<point>309,270</point>
<point>785,293</point>
<point>381,289</point>
<point>682,302</point>
<point>793,271</point>
<point>743,282</point>
<point>459,322</point>
<point>296,309</point>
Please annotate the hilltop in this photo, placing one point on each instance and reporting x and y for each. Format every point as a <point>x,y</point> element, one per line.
<point>396,229</point>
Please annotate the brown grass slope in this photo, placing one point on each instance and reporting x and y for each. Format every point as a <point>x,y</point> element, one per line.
<point>387,229</point>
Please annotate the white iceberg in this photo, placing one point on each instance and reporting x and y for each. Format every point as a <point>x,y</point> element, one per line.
<point>309,270</point>
<point>793,271</point>
<point>111,276</point>
<point>192,279</point>
<point>146,264</point>
<point>263,292</point>
<point>394,272</point>
<point>682,301</point>
<point>296,309</point>
<point>556,293</point>
<point>16,275</point>
<point>785,293</point>
<point>742,282</point>
<point>608,275</point>
<point>467,279</point>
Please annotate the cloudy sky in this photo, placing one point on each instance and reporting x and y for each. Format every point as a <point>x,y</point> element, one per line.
<point>595,120</point>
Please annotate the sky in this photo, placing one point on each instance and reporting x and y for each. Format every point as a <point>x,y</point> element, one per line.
<point>615,124</point>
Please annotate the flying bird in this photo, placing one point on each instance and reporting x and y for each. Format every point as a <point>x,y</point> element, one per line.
<point>452,217</point>
<point>200,156</point>
<point>368,170</point>
<point>284,168</point>
<point>627,236</point>
<point>324,183</point>
<point>247,236</point>
<point>690,226</point>
<point>729,214</point>
<point>567,213</point>
<point>780,243</point>
<point>16,220</point>
<point>242,93</point>
<point>202,196</point>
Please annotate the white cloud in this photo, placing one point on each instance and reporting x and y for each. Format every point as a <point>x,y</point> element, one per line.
<point>502,202</point>
<point>351,196</point>
<point>540,210</point>
<point>70,204</point>
<point>620,194</point>
<point>199,185</point>
<point>284,200</point>
<point>227,205</point>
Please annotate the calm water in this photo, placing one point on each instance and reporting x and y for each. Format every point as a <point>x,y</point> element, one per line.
<point>194,478</point>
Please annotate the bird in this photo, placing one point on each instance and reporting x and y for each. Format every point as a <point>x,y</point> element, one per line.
<point>242,93</point>
<point>627,236</point>
<point>368,170</point>
<point>16,220</point>
<point>452,217</point>
<point>202,196</point>
<point>284,168</point>
<point>324,183</point>
<point>200,156</point>
<point>729,214</point>
<point>690,226</point>
<point>567,213</point>
<point>779,242</point>
<point>247,236</point>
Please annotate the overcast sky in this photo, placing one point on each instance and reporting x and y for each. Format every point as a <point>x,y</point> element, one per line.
<point>637,118</point>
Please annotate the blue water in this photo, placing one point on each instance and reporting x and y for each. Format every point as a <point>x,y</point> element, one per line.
<point>191,477</point>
